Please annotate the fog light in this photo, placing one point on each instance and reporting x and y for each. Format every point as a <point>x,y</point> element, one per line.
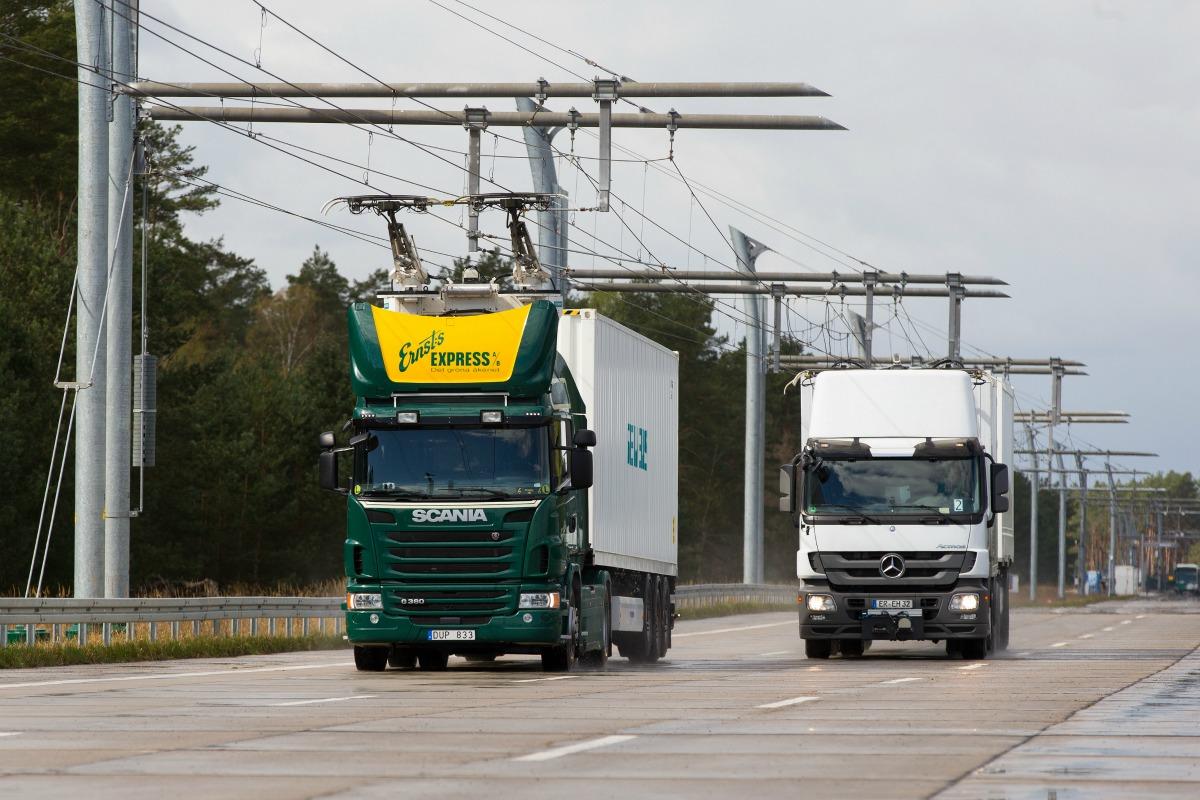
<point>821,602</point>
<point>491,417</point>
<point>539,600</point>
<point>964,602</point>
<point>408,417</point>
<point>374,619</point>
<point>527,618</point>
<point>361,601</point>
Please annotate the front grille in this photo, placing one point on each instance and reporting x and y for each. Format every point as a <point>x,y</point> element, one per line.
<point>408,537</point>
<point>453,569</point>
<point>922,568</point>
<point>453,552</point>
<point>434,604</point>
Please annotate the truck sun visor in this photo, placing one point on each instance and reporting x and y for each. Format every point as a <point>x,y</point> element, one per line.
<point>840,448</point>
<point>945,448</point>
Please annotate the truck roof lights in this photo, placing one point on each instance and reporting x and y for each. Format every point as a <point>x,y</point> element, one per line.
<point>408,417</point>
<point>491,417</point>
<point>840,448</point>
<point>945,448</point>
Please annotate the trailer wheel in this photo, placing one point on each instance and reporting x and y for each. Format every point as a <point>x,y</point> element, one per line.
<point>653,633</point>
<point>818,648</point>
<point>432,660</point>
<point>664,616</point>
<point>640,648</point>
<point>370,659</point>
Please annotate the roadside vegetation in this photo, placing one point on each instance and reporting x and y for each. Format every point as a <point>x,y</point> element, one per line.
<point>61,654</point>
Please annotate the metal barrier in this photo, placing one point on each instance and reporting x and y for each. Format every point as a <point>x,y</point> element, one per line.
<point>57,619</point>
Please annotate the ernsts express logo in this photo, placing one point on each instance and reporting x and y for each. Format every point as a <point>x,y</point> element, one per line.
<point>449,515</point>
<point>410,354</point>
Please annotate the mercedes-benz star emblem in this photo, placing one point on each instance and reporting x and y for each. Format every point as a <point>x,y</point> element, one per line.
<point>891,566</point>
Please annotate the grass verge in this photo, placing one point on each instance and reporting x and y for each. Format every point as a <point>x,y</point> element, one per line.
<point>728,609</point>
<point>65,654</point>
<point>1070,601</point>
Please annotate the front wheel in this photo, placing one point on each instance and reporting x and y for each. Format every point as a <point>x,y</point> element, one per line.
<point>971,649</point>
<point>432,660</point>
<point>818,648</point>
<point>370,659</point>
<point>598,659</point>
<point>562,657</point>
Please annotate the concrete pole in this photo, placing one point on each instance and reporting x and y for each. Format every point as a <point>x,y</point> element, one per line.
<point>90,356</point>
<point>955,286</point>
<point>119,321</point>
<point>748,250</point>
<point>1112,530</point>
<point>1081,553</point>
<point>552,223</point>
<point>870,279</point>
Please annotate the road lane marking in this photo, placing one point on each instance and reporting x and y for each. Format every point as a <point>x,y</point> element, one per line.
<point>1126,621</point>
<point>733,630</point>
<point>1086,635</point>
<point>325,700</point>
<point>1106,630</point>
<point>169,675</point>
<point>773,653</point>
<point>791,701</point>
<point>578,747</point>
<point>1140,616</point>
<point>973,666</point>
<point>897,680</point>
<point>555,678</point>
<point>1059,644</point>
<point>10,733</point>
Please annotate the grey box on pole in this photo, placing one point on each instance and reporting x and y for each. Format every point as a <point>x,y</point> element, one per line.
<point>145,407</point>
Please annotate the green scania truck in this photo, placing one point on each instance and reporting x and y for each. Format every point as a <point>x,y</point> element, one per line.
<point>510,475</point>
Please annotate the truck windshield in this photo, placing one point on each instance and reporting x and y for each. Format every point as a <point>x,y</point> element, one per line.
<point>454,462</point>
<point>893,486</point>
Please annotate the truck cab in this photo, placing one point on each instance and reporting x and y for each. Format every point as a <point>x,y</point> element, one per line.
<point>900,501</point>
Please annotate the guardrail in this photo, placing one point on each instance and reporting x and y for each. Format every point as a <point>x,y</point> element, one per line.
<point>56,618</point>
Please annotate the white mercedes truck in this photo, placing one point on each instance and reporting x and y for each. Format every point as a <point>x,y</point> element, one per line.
<point>900,498</point>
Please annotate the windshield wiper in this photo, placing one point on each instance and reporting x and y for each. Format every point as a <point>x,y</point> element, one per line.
<point>397,492</point>
<point>857,512</point>
<point>485,490</point>
<point>942,515</point>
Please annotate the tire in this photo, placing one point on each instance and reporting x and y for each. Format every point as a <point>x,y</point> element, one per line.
<point>598,659</point>
<point>654,635</point>
<point>818,648</point>
<point>562,657</point>
<point>432,660</point>
<point>402,659</point>
<point>973,649</point>
<point>851,648</point>
<point>664,616</point>
<point>1003,619</point>
<point>640,649</point>
<point>370,659</point>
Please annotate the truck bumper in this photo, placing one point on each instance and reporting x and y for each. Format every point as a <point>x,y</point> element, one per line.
<point>930,617</point>
<point>531,631</point>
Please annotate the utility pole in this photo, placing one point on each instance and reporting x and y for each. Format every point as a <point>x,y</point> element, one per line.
<point>1112,528</point>
<point>1033,520</point>
<point>117,439</point>
<point>748,250</point>
<point>1081,557</point>
<point>91,24</point>
<point>552,224</point>
<point>954,284</point>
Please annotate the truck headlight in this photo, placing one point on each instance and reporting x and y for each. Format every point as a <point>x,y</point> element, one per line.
<point>821,602</point>
<point>964,602</point>
<point>364,601</point>
<point>539,600</point>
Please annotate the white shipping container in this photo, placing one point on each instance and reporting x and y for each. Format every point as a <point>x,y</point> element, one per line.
<point>630,386</point>
<point>994,405</point>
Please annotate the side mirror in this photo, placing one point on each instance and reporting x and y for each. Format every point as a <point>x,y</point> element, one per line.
<point>327,469</point>
<point>787,488</point>
<point>325,441</point>
<point>1000,487</point>
<point>584,438</point>
<point>581,468</point>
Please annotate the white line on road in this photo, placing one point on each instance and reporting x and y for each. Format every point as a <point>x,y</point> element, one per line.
<point>579,747</point>
<point>1059,644</point>
<point>897,680</point>
<point>162,676</point>
<point>1086,635</point>
<point>1140,616</point>
<point>774,653</point>
<point>1106,630</point>
<point>10,733</point>
<point>733,630</point>
<point>555,678</point>
<point>325,700</point>
<point>792,701</point>
<point>973,666</point>
<point>1126,621</point>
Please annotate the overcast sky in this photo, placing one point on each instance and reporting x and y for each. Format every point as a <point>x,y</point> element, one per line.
<point>1053,145</point>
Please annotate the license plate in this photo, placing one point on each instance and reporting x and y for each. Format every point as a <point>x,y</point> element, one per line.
<point>451,636</point>
<point>891,604</point>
